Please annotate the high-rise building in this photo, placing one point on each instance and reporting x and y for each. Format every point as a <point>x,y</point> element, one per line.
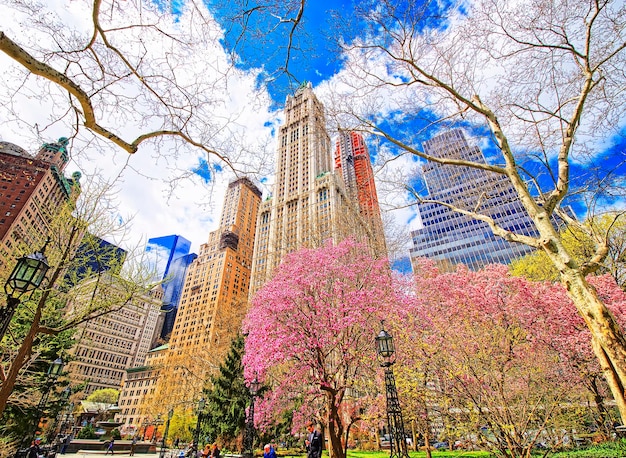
<point>353,163</point>
<point>31,191</point>
<point>138,383</point>
<point>213,302</point>
<point>96,256</point>
<point>453,238</point>
<point>310,204</point>
<point>108,345</point>
<point>173,285</point>
<point>162,251</point>
<point>170,258</point>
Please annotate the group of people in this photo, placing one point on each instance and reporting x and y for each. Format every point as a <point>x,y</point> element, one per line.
<point>314,446</point>
<point>210,451</point>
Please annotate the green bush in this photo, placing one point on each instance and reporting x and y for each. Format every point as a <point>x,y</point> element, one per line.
<point>88,432</point>
<point>116,434</point>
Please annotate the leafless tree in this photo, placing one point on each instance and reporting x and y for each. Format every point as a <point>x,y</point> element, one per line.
<point>132,73</point>
<point>544,79</point>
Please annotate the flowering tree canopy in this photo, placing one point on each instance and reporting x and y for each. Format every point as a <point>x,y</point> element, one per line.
<point>499,354</point>
<point>311,334</point>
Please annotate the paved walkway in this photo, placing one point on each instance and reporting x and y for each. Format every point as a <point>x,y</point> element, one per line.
<point>101,453</point>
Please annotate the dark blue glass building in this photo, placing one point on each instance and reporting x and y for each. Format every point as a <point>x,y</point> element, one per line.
<point>94,255</point>
<point>170,258</point>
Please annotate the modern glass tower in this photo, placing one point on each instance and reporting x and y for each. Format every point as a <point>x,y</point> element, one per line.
<point>170,258</point>
<point>453,238</point>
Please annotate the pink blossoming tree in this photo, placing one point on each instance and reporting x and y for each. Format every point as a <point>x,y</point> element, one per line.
<point>503,355</point>
<point>311,336</point>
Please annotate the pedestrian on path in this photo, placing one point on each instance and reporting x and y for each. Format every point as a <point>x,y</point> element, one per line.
<point>110,448</point>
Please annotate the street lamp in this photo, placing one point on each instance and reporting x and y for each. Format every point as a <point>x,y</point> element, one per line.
<point>167,428</point>
<point>248,439</point>
<point>386,357</point>
<point>26,277</point>
<point>64,414</point>
<point>54,371</point>
<point>196,434</point>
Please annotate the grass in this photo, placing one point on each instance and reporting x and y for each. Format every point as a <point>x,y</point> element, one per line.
<point>435,454</point>
<point>605,450</point>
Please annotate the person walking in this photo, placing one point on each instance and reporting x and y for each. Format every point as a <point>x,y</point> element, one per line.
<point>34,451</point>
<point>110,447</point>
<point>132,446</point>
<point>314,442</point>
<point>66,443</point>
<point>215,451</point>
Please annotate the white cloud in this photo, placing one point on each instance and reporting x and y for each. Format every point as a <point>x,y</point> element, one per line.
<point>156,186</point>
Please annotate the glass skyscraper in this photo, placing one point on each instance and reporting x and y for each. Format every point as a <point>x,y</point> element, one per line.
<point>170,258</point>
<point>453,238</point>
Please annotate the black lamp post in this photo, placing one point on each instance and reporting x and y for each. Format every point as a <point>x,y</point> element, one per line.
<point>64,415</point>
<point>386,358</point>
<point>196,434</point>
<point>248,438</point>
<point>167,428</point>
<point>26,276</point>
<point>54,371</point>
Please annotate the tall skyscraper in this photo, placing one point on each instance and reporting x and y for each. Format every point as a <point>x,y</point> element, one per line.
<point>164,250</point>
<point>110,344</point>
<point>213,302</point>
<point>453,238</point>
<point>31,191</point>
<point>173,286</point>
<point>353,163</point>
<point>170,258</point>
<point>310,204</point>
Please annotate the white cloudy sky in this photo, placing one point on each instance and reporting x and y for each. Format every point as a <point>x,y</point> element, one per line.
<point>156,189</point>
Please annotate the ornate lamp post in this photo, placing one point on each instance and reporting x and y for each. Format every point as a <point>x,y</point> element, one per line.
<point>196,434</point>
<point>167,428</point>
<point>248,438</point>
<point>64,414</point>
<point>54,371</point>
<point>26,277</point>
<point>386,358</point>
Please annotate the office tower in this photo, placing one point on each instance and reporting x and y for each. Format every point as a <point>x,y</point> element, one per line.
<point>173,285</point>
<point>213,302</point>
<point>31,191</point>
<point>310,204</point>
<point>162,251</point>
<point>96,256</point>
<point>108,345</point>
<point>453,238</point>
<point>170,258</point>
<point>353,163</point>
<point>138,383</point>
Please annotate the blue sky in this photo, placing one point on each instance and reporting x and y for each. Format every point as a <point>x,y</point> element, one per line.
<point>315,59</point>
<point>182,206</point>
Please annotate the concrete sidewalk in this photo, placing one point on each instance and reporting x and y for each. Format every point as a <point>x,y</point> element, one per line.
<point>100,453</point>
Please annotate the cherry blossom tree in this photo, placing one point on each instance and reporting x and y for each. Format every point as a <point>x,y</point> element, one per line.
<point>311,336</point>
<point>503,355</point>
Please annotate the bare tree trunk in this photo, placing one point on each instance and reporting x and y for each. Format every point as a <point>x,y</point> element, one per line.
<point>335,429</point>
<point>20,360</point>
<point>607,339</point>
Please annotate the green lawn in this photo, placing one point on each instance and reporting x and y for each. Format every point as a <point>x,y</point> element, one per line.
<point>605,450</point>
<point>435,454</point>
